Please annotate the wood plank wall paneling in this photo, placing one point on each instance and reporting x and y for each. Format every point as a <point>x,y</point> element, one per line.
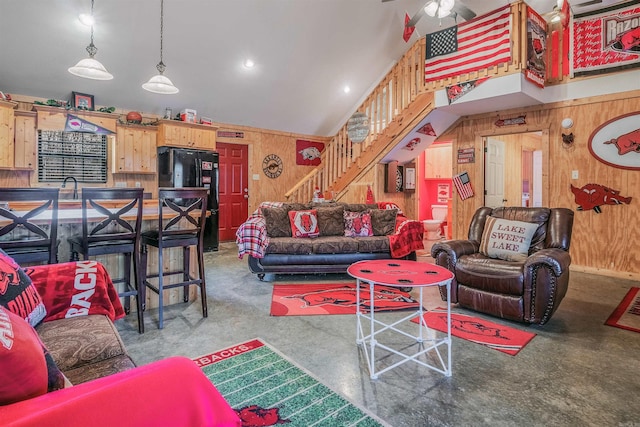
<point>603,243</point>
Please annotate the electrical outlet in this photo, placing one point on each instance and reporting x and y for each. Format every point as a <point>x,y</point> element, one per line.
<point>256,177</point>
<point>121,184</point>
<point>574,174</point>
<point>137,184</point>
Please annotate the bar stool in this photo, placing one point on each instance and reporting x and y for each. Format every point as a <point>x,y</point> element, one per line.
<point>30,234</point>
<point>185,210</point>
<point>113,227</point>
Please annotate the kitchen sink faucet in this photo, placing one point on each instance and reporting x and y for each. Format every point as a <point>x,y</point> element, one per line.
<point>75,185</point>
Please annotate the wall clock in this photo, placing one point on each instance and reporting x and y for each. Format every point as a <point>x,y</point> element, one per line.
<point>272,166</point>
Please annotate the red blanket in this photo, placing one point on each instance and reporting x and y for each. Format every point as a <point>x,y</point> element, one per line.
<point>407,238</point>
<point>76,289</point>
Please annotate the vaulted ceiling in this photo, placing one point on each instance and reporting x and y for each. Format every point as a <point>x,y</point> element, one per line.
<point>305,51</point>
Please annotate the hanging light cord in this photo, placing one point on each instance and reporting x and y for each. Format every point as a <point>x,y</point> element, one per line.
<point>92,49</point>
<point>161,67</point>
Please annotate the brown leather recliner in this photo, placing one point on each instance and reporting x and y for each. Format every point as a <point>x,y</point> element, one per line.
<point>526,291</point>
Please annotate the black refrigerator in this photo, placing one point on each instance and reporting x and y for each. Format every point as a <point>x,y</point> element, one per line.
<point>184,167</point>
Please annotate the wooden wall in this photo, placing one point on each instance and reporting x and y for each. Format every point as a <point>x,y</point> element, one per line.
<point>605,243</point>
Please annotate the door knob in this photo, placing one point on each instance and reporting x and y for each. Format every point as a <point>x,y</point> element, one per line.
<point>246,196</point>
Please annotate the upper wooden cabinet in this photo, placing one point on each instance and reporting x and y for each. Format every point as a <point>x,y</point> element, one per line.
<point>7,130</point>
<point>134,149</point>
<point>438,161</point>
<point>25,140</point>
<point>174,133</point>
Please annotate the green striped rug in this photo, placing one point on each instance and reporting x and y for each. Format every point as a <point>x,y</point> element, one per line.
<point>265,388</point>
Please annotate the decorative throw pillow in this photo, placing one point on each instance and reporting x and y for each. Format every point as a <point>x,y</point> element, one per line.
<point>26,367</point>
<point>383,221</point>
<point>304,223</point>
<point>390,205</point>
<point>506,239</point>
<point>276,221</point>
<point>330,221</point>
<point>17,293</point>
<point>357,224</point>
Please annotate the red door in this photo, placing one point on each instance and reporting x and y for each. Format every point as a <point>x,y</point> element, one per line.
<point>233,188</point>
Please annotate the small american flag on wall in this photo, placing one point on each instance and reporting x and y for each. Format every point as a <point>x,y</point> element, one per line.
<point>463,185</point>
<point>474,45</point>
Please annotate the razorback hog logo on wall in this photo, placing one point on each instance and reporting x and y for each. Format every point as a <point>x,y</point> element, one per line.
<point>592,196</point>
<point>622,33</point>
<point>617,142</point>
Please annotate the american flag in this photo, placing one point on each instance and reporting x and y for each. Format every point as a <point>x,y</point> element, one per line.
<point>463,185</point>
<point>480,43</point>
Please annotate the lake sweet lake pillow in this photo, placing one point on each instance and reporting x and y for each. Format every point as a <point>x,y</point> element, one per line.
<point>506,239</point>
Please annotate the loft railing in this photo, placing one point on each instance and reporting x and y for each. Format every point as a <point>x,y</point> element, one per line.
<point>389,103</point>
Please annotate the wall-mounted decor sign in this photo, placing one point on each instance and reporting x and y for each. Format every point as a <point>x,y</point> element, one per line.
<point>443,193</point>
<point>536,48</point>
<point>520,120</point>
<point>76,124</point>
<point>606,40</point>
<point>456,91</point>
<point>272,166</point>
<point>592,196</point>
<point>411,145</point>
<point>410,177</point>
<point>427,129</point>
<point>229,134</point>
<point>617,142</point>
<point>466,155</point>
<point>308,152</point>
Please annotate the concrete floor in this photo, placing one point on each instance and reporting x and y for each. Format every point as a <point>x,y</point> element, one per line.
<point>575,372</point>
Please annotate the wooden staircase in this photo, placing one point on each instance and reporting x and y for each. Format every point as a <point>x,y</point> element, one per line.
<point>394,108</point>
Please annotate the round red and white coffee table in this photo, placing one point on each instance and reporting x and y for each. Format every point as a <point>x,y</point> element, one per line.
<point>401,274</point>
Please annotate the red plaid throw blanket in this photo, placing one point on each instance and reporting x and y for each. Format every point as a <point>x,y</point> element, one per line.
<point>76,289</point>
<point>251,236</point>
<point>407,238</point>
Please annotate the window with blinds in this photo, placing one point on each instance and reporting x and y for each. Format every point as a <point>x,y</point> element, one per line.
<point>78,154</point>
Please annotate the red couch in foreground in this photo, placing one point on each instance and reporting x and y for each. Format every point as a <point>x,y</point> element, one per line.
<point>171,392</point>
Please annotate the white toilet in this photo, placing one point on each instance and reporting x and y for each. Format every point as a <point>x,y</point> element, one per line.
<point>432,226</point>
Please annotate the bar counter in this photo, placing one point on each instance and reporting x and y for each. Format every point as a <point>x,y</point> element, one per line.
<point>70,224</point>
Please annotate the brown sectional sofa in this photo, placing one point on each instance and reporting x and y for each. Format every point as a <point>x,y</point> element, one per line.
<point>331,251</point>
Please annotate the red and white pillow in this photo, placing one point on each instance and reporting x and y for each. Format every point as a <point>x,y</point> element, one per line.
<point>357,224</point>
<point>304,223</point>
<point>26,367</point>
<point>17,292</point>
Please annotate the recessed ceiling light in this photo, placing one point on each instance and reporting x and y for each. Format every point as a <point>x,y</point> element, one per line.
<point>86,19</point>
<point>249,63</point>
<point>346,89</point>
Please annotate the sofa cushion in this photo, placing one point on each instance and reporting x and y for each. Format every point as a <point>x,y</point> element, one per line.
<point>26,368</point>
<point>359,207</point>
<point>304,223</point>
<point>383,221</point>
<point>357,224</point>
<point>100,369</point>
<point>335,245</point>
<point>373,244</point>
<point>290,246</point>
<point>507,240</point>
<point>277,221</point>
<point>494,276</point>
<point>80,341</point>
<point>17,293</point>
<point>331,221</point>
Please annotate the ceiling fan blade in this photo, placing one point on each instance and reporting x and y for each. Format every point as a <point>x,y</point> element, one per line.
<point>587,3</point>
<point>415,18</point>
<point>464,12</point>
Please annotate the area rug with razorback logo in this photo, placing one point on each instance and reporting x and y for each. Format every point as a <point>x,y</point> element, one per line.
<point>627,314</point>
<point>335,298</point>
<point>265,389</point>
<point>498,337</point>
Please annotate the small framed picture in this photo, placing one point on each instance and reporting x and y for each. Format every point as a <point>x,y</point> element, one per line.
<point>82,101</point>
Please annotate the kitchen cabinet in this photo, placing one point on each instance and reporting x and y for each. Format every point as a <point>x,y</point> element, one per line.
<point>134,149</point>
<point>7,131</point>
<point>25,140</point>
<point>438,161</point>
<point>174,133</point>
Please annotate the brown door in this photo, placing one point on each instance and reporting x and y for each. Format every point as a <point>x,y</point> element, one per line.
<point>233,188</point>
